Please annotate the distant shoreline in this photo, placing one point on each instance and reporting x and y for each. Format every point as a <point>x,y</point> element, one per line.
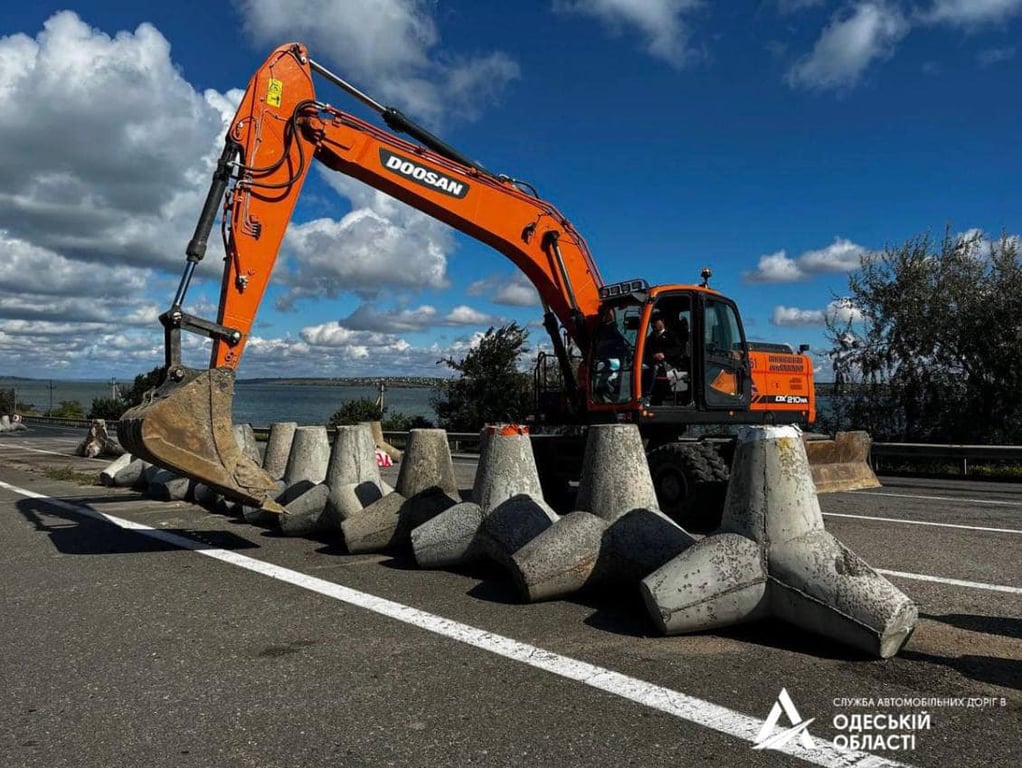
<point>392,382</point>
<point>418,382</point>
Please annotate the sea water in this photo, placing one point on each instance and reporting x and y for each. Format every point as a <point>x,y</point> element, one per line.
<point>256,403</point>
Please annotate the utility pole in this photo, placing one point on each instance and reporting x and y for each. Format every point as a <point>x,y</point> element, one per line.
<point>50,412</point>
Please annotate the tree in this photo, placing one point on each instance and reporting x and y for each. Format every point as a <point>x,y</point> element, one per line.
<point>490,387</point>
<point>364,409</point>
<point>355,412</point>
<point>931,351</point>
<point>107,408</point>
<point>143,383</point>
<point>68,409</point>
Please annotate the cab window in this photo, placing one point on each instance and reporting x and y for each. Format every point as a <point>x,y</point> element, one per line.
<point>610,380</point>
<point>725,355</point>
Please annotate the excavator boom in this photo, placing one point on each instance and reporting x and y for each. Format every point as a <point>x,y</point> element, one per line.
<point>280,129</point>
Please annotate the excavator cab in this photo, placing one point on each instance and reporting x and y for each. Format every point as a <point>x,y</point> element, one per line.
<point>671,354</point>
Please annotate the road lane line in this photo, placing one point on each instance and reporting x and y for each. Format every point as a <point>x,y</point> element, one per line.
<point>53,453</point>
<point>936,498</point>
<point>925,522</point>
<point>953,582</point>
<point>666,700</point>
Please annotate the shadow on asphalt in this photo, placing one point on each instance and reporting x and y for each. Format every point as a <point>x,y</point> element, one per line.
<point>988,625</point>
<point>1006,673</point>
<point>72,533</point>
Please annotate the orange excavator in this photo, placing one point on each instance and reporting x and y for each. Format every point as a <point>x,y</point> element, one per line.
<point>709,374</point>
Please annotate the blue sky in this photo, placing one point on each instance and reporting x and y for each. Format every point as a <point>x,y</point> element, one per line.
<point>774,141</point>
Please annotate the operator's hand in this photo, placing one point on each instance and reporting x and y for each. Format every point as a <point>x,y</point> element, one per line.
<point>659,357</point>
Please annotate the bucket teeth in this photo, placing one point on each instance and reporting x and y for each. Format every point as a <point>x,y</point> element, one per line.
<point>185,426</point>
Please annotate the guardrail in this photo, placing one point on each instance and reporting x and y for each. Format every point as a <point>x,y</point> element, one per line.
<point>468,442</point>
<point>960,454</point>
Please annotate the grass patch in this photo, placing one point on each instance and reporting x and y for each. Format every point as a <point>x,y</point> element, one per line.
<point>1008,471</point>
<point>70,475</point>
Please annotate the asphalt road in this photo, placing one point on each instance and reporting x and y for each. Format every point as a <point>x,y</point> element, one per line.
<point>245,648</point>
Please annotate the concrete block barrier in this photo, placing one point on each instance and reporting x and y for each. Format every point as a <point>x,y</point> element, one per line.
<point>130,476</point>
<point>307,512</point>
<point>165,485</point>
<point>450,538</point>
<point>639,542</point>
<point>244,435</point>
<point>506,469</point>
<point>426,464</point>
<point>772,533</point>
<point>719,581</point>
<point>353,475</point>
<point>615,475</point>
<point>108,476</point>
<point>278,448</point>
<point>388,523</point>
<point>512,525</point>
<point>425,488</point>
<point>309,456</point>
<point>562,559</point>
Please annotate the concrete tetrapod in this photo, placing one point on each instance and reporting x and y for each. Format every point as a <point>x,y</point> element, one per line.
<point>618,536</point>
<point>109,474</point>
<point>307,460</point>
<point>278,448</point>
<point>772,556</point>
<point>352,482</point>
<point>506,469</point>
<point>353,474</point>
<point>425,488</point>
<point>615,474</point>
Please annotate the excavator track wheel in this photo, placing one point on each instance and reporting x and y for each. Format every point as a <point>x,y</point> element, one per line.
<point>690,480</point>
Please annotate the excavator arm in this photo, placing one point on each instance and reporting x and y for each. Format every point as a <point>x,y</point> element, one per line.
<point>280,129</point>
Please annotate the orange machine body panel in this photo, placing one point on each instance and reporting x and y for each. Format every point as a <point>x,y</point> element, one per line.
<point>783,382</point>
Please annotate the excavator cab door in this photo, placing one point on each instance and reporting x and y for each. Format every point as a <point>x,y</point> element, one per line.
<point>724,378</point>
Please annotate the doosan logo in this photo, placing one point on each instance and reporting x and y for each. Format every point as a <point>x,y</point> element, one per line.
<point>422,175</point>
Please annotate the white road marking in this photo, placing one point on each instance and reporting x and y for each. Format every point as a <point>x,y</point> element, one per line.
<point>53,453</point>
<point>925,522</point>
<point>937,498</point>
<point>953,582</point>
<point>667,700</point>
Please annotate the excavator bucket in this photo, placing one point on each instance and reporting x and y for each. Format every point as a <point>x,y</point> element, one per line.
<point>185,426</point>
<point>841,464</point>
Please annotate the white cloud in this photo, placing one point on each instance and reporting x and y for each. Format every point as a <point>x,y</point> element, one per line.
<point>466,315</point>
<point>839,311</point>
<point>791,316</point>
<point>368,318</point>
<point>840,256</point>
<point>970,12</point>
<point>513,290</point>
<point>775,268</point>
<point>382,243</point>
<point>849,44</point>
<point>793,6</point>
<point>390,48</point>
<point>126,177</point>
<point>990,56</point>
<point>660,22</point>
<point>364,252</point>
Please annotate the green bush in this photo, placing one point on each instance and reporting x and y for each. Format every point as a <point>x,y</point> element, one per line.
<point>109,408</point>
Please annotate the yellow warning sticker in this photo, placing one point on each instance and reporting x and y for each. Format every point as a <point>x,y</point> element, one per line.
<point>274,89</point>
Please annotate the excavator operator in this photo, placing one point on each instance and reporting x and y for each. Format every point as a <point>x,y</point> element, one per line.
<point>664,350</point>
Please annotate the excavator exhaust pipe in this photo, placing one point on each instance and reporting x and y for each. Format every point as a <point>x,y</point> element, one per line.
<point>184,425</point>
<point>841,464</point>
